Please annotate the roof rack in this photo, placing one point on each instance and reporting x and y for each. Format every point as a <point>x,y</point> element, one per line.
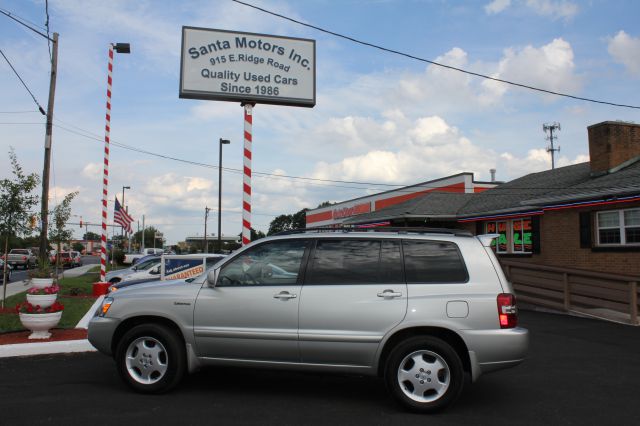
<point>399,230</point>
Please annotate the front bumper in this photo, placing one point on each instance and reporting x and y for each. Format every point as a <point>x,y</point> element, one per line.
<point>100,333</point>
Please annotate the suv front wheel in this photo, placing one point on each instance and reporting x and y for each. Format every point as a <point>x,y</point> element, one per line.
<point>424,374</point>
<point>151,358</point>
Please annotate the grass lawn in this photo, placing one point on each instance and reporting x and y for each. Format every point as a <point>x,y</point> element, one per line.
<point>75,294</point>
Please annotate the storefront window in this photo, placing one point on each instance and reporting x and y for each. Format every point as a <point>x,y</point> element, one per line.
<point>521,235</point>
<point>515,236</point>
<point>500,244</point>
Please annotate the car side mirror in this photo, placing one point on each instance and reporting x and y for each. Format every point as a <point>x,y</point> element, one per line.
<point>212,277</point>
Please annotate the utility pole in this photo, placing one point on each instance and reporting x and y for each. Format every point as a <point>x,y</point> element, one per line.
<point>551,127</point>
<point>44,212</point>
<point>205,249</point>
<point>142,249</point>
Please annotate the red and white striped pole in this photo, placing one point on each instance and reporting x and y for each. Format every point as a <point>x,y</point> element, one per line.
<point>105,175</point>
<point>246,193</point>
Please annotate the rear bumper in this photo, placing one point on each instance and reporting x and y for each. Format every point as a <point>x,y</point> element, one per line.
<point>491,350</point>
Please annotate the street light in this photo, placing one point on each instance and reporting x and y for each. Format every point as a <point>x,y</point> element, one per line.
<point>120,48</point>
<point>222,142</point>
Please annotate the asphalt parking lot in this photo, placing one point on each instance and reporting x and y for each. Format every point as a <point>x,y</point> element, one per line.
<point>579,372</point>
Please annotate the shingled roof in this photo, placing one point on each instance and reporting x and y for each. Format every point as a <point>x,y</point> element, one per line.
<point>442,205</point>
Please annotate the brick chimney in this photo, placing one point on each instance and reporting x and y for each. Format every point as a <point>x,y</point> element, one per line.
<point>612,145</point>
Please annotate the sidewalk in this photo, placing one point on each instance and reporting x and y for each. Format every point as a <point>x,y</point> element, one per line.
<point>22,286</point>
<point>55,347</point>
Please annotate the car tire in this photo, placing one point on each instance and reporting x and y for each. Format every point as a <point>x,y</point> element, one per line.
<point>424,374</point>
<point>151,358</point>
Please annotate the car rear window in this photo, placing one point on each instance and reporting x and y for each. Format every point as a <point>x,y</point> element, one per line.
<point>64,255</point>
<point>433,262</point>
<point>15,251</point>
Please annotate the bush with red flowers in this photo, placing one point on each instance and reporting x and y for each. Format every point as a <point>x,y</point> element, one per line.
<point>28,308</point>
<point>34,291</point>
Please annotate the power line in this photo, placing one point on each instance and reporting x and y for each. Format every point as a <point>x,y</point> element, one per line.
<point>396,52</point>
<point>46,24</point>
<point>508,191</point>
<point>19,21</point>
<point>18,112</point>
<point>23,83</point>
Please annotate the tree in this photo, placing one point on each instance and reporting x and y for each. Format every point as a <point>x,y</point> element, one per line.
<point>279,224</point>
<point>16,201</point>
<point>78,247</point>
<point>149,237</point>
<point>91,236</point>
<point>61,214</point>
<point>287,222</point>
<point>324,204</point>
<point>256,235</point>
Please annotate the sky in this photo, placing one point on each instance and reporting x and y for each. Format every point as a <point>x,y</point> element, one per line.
<point>380,118</point>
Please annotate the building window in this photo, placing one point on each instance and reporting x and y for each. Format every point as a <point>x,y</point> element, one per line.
<point>521,235</point>
<point>618,227</point>
<point>501,243</point>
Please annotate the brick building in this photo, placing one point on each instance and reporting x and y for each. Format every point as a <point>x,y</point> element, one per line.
<point>583,216</point>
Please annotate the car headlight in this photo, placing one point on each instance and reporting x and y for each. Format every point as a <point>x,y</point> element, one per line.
<point>106,304</point>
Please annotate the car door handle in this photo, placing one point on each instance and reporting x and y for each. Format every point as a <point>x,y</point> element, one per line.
<point>284,295</point>
<point>390,293</point>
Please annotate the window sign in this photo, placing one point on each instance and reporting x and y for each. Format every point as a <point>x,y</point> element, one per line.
<point>501,229</point>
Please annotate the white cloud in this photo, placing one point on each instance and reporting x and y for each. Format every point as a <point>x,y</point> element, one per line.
<point>496,6</point>
<point>549,67</point>
<point>555,9</point>
<point>626,50</point>
<point>536,160</point>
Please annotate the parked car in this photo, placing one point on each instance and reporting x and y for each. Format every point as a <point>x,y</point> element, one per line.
<point>176,267</point>
<point>132,258</point>
<point>9,270</point>
<point>70,259</point>
<point>23,258</point>
<point>421,309</point>
<point>116,275</point>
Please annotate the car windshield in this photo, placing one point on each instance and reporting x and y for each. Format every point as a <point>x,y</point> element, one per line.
<point>147,265</point>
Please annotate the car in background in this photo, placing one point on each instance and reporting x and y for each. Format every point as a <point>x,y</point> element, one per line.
<point>117,275</point>
<point>24,258</point>
<point>9,270</point>
<point>176,267</point>
<point>70,259</point>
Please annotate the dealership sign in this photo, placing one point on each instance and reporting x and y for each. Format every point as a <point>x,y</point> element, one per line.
<point>247,67</point>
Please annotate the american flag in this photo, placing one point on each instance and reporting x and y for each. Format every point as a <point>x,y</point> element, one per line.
<point>121,217</point>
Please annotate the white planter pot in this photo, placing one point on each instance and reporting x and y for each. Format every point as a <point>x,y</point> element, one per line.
<point>41,282</point>
<point>44,300</point>
<point>40,324</point>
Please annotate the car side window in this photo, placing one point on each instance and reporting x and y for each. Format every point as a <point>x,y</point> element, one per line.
<point>272,263</point>
<point>345,262</point>
<point>433,262</point>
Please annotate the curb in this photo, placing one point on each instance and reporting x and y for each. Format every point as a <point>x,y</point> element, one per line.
<point>58,347</point>
<point>45,348</point>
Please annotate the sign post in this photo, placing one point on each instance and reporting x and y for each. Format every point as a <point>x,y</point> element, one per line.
<point>248,68</point>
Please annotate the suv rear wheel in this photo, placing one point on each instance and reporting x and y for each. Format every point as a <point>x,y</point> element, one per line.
<point>424,374</point>
<point>151,358</point>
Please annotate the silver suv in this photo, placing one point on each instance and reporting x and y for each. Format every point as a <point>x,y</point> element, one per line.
<point>420,308</point>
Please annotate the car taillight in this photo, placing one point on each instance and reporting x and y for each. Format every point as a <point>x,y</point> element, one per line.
<point>24,257</point>
<point>507,310</point>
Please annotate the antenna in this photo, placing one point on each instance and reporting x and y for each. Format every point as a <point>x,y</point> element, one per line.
<point>550,127</point>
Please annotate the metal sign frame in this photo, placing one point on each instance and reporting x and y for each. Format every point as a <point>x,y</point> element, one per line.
<point>246,98</point>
